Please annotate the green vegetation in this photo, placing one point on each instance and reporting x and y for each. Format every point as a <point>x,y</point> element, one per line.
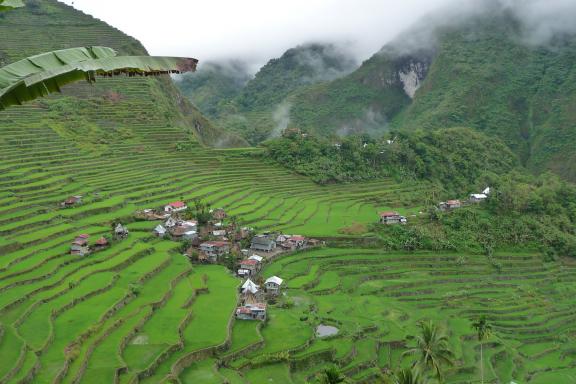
<point>140,311</point>
<point>384,302</point>
<point>452,158</point>
<point>258,108</point>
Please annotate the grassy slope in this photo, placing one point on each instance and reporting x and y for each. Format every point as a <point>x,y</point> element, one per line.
<point>484,78</point>
<point>136,100</point>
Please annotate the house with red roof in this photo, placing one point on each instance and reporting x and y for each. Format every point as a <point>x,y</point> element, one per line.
<point>176,206</point>
<point>101,243</point>
<point>249,267</point>
<point>450,204</point>
<point>80,246</point>
<point>72,200</point>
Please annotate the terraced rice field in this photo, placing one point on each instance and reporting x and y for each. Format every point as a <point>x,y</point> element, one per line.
<point>138,310</point>
<point>375,299</point>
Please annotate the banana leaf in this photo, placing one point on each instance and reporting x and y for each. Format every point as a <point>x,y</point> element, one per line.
<point>39,75</point>
<point>6,5</point>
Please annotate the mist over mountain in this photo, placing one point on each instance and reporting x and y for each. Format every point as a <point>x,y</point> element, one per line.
<point>503,67</point>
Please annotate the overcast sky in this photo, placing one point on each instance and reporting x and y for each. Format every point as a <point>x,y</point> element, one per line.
<point>256,30</point>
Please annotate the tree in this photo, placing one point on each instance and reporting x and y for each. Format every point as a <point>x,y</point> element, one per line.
<point>409,376</point>
<point>40,75</point>
<point>331,375</point>
<point>483,331</point>
<point>432,349</point>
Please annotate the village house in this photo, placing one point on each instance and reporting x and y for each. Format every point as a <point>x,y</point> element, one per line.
<point>178,232</point>
<point>176,206</point>
<point>80,246</point>
<point>314,242</point>
<point>214,249</point>
<point>101,243</point>
<point>450,204</point>
<point>170,223</point>
<point>242,233</point>
<point>249,267</point>
<point>219,233</point>
<point>121,232</point>
<point>263,243</point>
<point>160,231</point>
<point>190,224</point>
<point>273,285</point>
<point>281,239</point>
<point>297,241</point>
<point>249,291</point>
<point>478,197</point>
<point>72,200</point>
<point>392,218</point>
<point>218,214</point>
<point>256,311</point>
<point>259,259</point>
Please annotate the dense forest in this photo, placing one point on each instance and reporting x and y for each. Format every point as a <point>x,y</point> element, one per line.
<point>454,158</point>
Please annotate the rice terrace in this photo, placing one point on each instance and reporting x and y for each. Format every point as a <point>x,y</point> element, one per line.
<point>157,227</point>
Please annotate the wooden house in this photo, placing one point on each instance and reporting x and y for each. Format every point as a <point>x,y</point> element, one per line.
<point>273,285</point>
<point>72,200</point>
<point>391,217</point>
<point>101,243</point>
<point>214,249</point>
<point>80,246</point>
<point>264,243</point>
<point>256,311</point>
<point>121,232</point>
<point>160,231</point>
<point>219,214</point>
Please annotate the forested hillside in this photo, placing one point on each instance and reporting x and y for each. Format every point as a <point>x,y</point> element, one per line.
<point>481,72</point>
<point>258,108</point>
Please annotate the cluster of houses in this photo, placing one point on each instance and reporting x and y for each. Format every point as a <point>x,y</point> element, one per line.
<point>252,303</point>
<point>81,247</point>
<point>177,229</point>
<point>474,198</point>
<point>392,217</point>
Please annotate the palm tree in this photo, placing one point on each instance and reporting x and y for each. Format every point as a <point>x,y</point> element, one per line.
<point>483,331</point>
<point>432,349</point>
<point>409,376</point>
<point>331,376</point>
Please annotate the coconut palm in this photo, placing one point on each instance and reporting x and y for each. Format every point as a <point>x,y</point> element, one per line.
<point>432,349</point>
<point>39,75</point>
<point>483,331</point>
<point>409,376</point>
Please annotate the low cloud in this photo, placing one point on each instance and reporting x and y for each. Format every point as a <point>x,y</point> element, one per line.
<point>281,117</point>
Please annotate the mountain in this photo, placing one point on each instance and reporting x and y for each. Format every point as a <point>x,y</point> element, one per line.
<point>481,73</point>
<point>214,85</point>
<point>257,107</point>
<point>139,108</point>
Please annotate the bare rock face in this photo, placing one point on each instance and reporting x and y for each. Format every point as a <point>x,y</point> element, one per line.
<point>412,76</point>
